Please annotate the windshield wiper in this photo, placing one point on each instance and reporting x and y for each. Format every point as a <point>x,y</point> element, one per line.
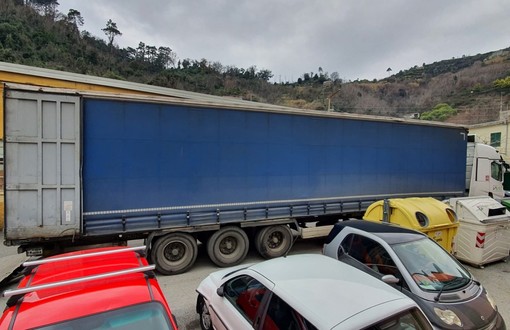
<point>436,298</point>
<point>448,284</point>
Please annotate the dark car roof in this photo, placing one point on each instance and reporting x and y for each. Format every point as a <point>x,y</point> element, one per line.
<point>389,232</point>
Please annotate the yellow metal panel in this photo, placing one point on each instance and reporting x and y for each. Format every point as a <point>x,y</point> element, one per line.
<point>27,79</point>
<point>18,78</point>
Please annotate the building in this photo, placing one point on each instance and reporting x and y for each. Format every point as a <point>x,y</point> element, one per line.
<point>495,133</point>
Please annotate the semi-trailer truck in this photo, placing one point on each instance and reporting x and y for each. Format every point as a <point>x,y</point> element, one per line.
<point>85,167</point>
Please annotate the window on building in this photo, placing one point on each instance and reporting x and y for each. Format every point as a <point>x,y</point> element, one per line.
<point>496,139</point>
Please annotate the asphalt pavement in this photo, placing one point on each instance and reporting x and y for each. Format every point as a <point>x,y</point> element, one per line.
<point>181,295</point>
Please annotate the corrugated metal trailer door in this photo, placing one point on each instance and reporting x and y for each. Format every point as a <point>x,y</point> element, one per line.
<point>42,165</point>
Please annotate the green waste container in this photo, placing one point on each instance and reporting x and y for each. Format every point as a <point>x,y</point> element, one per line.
<point>506,202</point>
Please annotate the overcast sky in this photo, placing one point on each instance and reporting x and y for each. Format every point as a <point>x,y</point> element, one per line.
<point>359,39</point>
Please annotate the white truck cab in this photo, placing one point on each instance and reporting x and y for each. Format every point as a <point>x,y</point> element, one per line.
<point>484,170</point>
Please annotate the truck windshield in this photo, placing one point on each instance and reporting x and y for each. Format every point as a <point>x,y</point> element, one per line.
<point>431,267</point>
<point>149,316</point>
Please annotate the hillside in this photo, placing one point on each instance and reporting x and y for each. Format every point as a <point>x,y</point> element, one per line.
<point>467,84</point>
<point>35,33</point>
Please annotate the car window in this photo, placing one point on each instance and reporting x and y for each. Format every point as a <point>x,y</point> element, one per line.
<point>349,247</point>
<point>358,246</point>
<point>246,294</point>
<point>281,316</point>
<point>372,254</point>
<point>431,267</point>
<point>409,320</point>
<point>369,252</point>
<point>148,316</point>
<point>380,260</point>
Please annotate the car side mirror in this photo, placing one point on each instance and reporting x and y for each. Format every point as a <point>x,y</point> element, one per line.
<point>390,279</point>
<point>341,251</point>
<point>220,291</point>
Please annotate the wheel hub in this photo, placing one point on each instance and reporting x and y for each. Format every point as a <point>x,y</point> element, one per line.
<point>175,251</point>
<point>206,317</point>
<point>275,240</point>
<point>228,245</point>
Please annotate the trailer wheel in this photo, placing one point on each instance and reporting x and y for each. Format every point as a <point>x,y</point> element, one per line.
<point>228,246</point>
<point>174,253</point>
<point>273,241</point>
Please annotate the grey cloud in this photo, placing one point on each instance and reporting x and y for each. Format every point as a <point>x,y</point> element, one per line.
<point>357,39</point>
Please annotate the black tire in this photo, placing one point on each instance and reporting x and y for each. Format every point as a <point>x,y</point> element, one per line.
<point>228,246</point>
<point>205,316</point>
<point>174,253</point>
<point>273,241</point>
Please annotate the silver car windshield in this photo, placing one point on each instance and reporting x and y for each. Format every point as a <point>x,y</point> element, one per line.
<point>431,267</point>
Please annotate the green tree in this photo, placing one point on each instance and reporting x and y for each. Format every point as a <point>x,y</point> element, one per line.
<point>111,31</point>
<point>74,17</point>
<point>152,52</point>
<point>165,57</point>
<point>186,63</point>
<point>335,76</point>
<point>46,7</point>
<point>141,51</point>
<point>131,53</point>
<point>502,83</point>
<point>265,75</point>
<point>440,112</point>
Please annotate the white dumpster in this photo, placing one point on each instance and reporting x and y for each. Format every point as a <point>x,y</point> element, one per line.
<point>484,231</point>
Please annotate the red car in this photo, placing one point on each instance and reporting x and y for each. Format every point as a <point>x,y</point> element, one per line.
<point>103,288</point>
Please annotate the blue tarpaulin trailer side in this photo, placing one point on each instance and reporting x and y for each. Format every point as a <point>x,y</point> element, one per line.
<point>83,168</point>
<point>150,165</point>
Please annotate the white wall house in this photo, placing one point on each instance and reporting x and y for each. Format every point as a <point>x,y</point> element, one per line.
<point>496,134</point>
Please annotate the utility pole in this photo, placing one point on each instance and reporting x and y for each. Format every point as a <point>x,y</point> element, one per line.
<point>329,99</point>
<point>501,103</point>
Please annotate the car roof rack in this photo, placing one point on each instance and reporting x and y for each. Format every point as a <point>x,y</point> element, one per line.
<point>80,256</point>
<point>21,291</point>
<point>142,269</point>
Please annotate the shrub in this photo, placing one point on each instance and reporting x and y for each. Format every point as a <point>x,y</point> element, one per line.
<point>440,112</point>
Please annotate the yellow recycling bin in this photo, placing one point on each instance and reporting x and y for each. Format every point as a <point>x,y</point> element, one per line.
<point>426,214</point>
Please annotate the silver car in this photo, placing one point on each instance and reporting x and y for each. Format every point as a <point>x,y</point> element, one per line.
<point>447,293</point>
